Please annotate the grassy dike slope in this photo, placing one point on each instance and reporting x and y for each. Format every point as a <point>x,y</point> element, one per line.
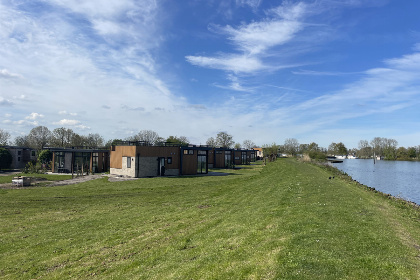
<point>284,221</point>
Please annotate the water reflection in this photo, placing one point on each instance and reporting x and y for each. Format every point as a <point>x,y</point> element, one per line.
<point>398,178</point>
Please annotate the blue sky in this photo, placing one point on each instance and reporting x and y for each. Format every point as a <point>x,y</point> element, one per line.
<point>319,71</point>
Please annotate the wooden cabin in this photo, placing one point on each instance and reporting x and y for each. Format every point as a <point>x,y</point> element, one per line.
<point>79,159</point>
<point>139,159</point>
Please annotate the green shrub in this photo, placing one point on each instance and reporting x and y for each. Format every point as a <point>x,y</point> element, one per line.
<point>45,156</point>
<point>317,155</point>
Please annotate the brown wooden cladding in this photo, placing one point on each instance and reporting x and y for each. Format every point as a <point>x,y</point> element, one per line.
<point>211,157</point>
<point>117,154</point>
<point>189,164</point>
<point>219,159</point>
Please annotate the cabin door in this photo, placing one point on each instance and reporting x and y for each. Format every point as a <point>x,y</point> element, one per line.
<point>161,166</point>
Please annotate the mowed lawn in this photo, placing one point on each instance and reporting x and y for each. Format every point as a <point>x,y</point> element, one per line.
<point>286,220</point>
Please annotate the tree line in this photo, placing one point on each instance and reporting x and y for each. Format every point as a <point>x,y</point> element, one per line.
<point>378,147</point>
<point>41,137</point>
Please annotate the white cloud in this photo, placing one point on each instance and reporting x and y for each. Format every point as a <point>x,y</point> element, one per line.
<point>67,122</point>
<point>25,123</point>
<point>73,123</point>
<point>235,63</point>
<point>257,37</point>
<point>34,116</point>
<point>254,39</point>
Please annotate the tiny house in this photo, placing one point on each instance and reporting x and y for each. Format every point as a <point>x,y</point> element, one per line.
<point>140,159</point>
<point>78,159</point>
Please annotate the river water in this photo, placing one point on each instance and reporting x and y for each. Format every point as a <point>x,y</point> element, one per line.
<point>398,178</point>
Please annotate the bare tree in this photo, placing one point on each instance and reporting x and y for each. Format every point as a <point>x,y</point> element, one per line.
<point>148,136</point>
<point>270,151</point>
<point>248,144</point>
<point>291,146</point>
<point>4,137</point>
<point>211,142</point>
<point>95,140</point>
<point>22,141</point>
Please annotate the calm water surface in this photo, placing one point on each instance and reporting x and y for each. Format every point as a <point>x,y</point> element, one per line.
<point>398,178</point>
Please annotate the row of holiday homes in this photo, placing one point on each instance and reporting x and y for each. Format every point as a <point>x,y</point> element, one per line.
<point>139,159</point>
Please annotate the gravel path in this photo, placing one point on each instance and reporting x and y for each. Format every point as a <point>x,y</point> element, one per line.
<point>76,180</point>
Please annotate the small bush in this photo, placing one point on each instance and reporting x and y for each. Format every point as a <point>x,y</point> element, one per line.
<point>35,168</point>
<point>317,155</point>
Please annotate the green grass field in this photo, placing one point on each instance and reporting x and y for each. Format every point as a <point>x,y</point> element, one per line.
<point>286,220</point>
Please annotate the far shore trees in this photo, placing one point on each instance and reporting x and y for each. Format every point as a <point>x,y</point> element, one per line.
<point>337,149</point>
<point>365,150</point>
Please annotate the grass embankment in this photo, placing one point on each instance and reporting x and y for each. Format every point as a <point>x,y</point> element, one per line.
<point>285,221</point>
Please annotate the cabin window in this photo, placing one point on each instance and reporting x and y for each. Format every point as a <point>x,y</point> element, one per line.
<point>169,160</point>
<point>188,152</point>
<point>33,153</point>
<point>18,158</point>
<point>202,152</point>
<point>128,162</point>
<point>19,153</point>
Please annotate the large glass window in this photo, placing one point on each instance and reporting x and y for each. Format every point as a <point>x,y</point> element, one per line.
<point>95,157</point>
<point>59,162</point>
<point>243,157</point>
<point>228,159</point>
<point>81,162</point>
<point>201,164</point>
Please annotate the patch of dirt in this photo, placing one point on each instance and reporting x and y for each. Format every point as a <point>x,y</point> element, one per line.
<point>75,180</point>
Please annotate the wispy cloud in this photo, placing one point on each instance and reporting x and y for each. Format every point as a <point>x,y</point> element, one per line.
<point>254,39</point>
<point>321,73</point>
<point>229,62</point>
